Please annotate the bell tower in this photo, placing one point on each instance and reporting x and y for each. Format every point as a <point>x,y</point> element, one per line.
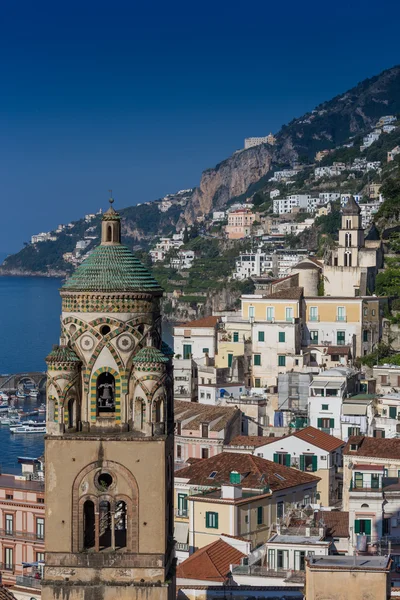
<point>351,235</point>
<point>109,447</point>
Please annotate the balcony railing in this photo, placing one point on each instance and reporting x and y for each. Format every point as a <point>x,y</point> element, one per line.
<point>29,582</point>
<point>314,318</point>
<point>7,568</point>
<point>268,572</point>
<point>22,535</point>
<point>341,319</point>
<point>181,512</point>
<point>182,547</point>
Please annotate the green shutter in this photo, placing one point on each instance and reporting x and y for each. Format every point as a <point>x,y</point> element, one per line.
<point>356,526</point>
<point>259,515</point>
<point>393,412</point>
<point>261,336</point>
<point>276,458</point>
<point>301,462</point>
<point>207,519</point>
<point>281,336</point>
<point>319,422</point>
<point>230,359</point>
<point>332,423</point>
<point>314,463</point>
<point>216,520</point>
<point>349,431</point>
<point>235,336</point>
<point>287,460</point>
<point>367,526</point>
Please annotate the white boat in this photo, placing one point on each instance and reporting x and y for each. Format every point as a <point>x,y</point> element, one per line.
<point>3,396</point>
<point>34,393</point>
<point>21,394</point>
<point>42,409</point>
<point>4,407</point>
<point>29,428</point>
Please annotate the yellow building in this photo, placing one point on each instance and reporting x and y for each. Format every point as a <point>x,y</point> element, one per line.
<point>232,337</point>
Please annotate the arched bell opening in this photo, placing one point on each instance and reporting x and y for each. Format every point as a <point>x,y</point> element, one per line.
<point>104,525</point>
<point>71,413</point>
<point>105,387</point>
<point>140,414</point>
<point>120,524</point>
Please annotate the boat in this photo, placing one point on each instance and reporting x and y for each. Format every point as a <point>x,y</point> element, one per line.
<point>4,407</point>
<point>21,394</point>
<point>29,428</point>
<point>3,396</point>
<point>42,409</point>
<point>34,393</point>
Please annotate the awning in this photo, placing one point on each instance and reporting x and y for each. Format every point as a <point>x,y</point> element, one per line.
<point>181,532</point>
<point>354,409</point>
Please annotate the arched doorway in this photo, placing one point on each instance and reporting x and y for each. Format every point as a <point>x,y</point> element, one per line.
<point>105,386</point>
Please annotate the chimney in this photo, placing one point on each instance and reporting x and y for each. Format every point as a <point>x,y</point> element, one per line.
<point>206,360</point>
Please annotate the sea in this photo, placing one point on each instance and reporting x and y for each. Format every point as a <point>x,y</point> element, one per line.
<point>30,309</point>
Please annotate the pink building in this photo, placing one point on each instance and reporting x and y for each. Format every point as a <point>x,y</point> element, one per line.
<point>239,223</point>
<point>202,430</point>
<point>22,525</point>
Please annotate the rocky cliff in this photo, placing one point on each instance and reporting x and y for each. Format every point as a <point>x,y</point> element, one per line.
<point>229,179</point>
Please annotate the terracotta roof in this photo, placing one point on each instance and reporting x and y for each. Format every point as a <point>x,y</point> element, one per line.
<point>5,594</point>
<point>318,438</point>
<point>193,414</point>
<point>252,440</point>
<point>293,293</point>
<point>336,522</point>
<point>373,447</point>
<point>256,472</point>
<point>205,322</point>
<point>342,350</point>
<point>211,563</point>
<point>369,467</point>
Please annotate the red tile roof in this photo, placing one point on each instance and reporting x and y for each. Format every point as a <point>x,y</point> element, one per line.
<point>373,447</point>
<point>256,472</point>
<point>193,414</point>
<point>369,467</point>
<point>5,594</point>
<point>205,322</point>
<point>319,438</point>
<point>211,563</point>
<point>252,440</point>
<point>336,522</point>
<point>341,350</point>
<point>292,293</point>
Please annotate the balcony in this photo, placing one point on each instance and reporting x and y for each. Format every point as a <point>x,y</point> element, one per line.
<point>181,512</point>
<point>181,547</point>
<point>29,582</point>
<point>22,535</point>
<point>255,571</point>
<point>341,319</point>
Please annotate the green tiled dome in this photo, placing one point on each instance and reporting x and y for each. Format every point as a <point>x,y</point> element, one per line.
<point>148,354</point>
<point>62,354</point>
<point>112,268</point>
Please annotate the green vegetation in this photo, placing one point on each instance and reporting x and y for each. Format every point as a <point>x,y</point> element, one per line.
<point>383,353</point>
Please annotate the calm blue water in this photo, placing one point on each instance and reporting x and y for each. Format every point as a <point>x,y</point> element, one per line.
<point>30,309</point>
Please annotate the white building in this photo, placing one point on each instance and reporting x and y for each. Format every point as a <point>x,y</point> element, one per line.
<point>391,155</point>
<point>250,264</point>
<point>285,205</point>
<point>370,138</point>
<point>283,175</point>
<point>329,171</point>
<point>386,421</point>
<point>218,216</point>
<point>344,198</point>
<point>217,394</point>
<point>196,338</point>
<point>274,194</point>
<point>325,197</point>
<point>250,142</point>
<point>368,210</point>
<point>43,237</point>
<point>184,260</point>
<point>164,245</point>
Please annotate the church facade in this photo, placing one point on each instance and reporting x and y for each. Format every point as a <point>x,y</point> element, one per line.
<point>109,448</point>
<point>352,267</point>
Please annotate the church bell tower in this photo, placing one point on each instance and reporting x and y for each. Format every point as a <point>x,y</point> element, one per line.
<point>109,443</point>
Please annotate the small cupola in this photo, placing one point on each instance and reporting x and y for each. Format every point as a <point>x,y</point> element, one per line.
<point>111,227</point>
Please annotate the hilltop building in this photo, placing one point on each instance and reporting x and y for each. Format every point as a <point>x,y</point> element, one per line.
<point>109,449</point>
<point>257,141</point>
<point>351,268</point>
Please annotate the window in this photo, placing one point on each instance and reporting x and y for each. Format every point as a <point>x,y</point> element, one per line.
<point>204,430</point>
<point>314,337</point>
<point>282,557</point>
<point>235,336</point>
<point>313,313</point>
<point>187,351</point>
<point>257,360</point>
<point>212,520</point>
<point>202,395</point>
<point>257,382</point>
<point>282,458</point>
<point>362,526</point>
<point>9,497</point>
<point>260,515</point>
<point>299,560</point>
<point>271,558</point>
<point>178,451</point>
<point>204,453</point>
<point>289,314</point>
<point>230,360</point>
<point>206,350</point>
<point>182,505</point>
<point>39,556</point>
<point>179,428</point>
<point>392,412</point>
<point>340,338</point>
<point>281,336</point>
<point>353,431</point>
<point>308,462</point>
<point>281,360</point>
<point>40,500</point>
<point>251,312</point>
<point>358,480</point>
<point>327,424</point>
<point>384,380</point>
<point>208,396</point>
<point>375,481</point>
<point>365,335</point>
<point>365,311</point>
<point>279,510</point>
<point>270,313</point>
<point>9,522</point>
<point>379,433</point>
<point>341,313</point>
<point>8,559</point>
<point>261,336</point>
<point>40,528</point>
<point>373,312</point>
<point>325,407</point>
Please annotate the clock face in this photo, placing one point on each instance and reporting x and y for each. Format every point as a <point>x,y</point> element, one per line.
<point>87,343</point>
<point>125,342</point>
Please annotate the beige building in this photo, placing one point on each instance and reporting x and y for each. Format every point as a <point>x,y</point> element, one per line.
<point>240,222</point>
<point>109,449</point>
<point>345,577</point>
<point>352,267</point>
<point>234,336</point>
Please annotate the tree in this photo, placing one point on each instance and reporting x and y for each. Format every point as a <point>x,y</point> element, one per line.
<point>185,236</point>
<point>388,282</point>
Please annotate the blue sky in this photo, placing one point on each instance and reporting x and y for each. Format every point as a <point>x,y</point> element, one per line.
<point>141,97</point>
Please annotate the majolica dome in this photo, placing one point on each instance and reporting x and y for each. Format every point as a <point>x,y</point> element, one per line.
<point>112,267</point>
<point>149,354</point>
<point>62,354</point>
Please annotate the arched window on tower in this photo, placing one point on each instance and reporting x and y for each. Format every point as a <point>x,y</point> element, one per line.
<point>105,393</point>
<point>120,524</point>
<point>140,413</point>
<point>348,223</point>
<point>345,259</point>
<point>88,525</point>
<point>104,525</point>
<point>109,234</point>
<point>71,412</point>
<point>349,260</point>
